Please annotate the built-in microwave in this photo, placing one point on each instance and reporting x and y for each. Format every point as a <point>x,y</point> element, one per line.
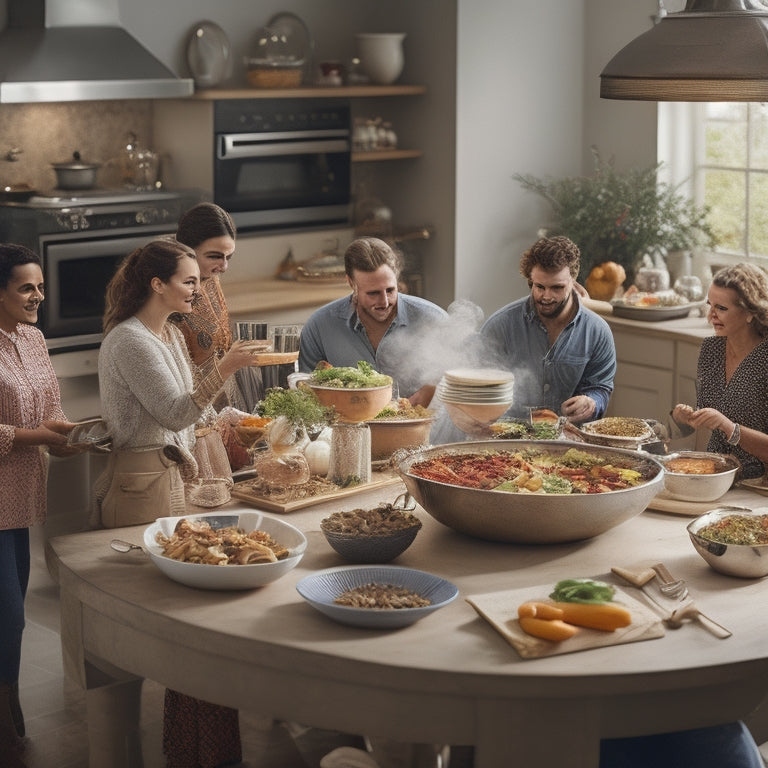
<point>282,162</point>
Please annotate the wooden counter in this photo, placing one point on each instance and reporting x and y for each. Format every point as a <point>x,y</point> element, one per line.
<point>279,301</point>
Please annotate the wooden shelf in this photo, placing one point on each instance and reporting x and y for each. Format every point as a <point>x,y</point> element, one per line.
<point>385,154</point>
<point>343,92</point>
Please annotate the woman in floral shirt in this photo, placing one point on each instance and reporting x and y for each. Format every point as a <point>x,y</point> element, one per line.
<point>31,420</point>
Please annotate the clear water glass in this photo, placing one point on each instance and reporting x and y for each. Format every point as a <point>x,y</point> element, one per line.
<point>690,287</point>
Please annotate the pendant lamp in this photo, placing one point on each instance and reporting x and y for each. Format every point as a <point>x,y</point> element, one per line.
<point>714,50</point>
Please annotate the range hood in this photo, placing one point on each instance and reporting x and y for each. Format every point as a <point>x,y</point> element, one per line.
<point>76,50</point>
<point>714,50</point>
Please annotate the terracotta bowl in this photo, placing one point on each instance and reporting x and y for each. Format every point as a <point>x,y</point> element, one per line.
<point>387,435</point>
<point>354,405</point>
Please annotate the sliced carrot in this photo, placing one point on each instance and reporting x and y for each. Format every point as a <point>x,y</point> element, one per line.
<point>539,610</point>
<point>605,616</point>
<point>548,629</point>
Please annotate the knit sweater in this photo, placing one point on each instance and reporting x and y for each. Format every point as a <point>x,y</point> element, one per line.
<point>147,393</point>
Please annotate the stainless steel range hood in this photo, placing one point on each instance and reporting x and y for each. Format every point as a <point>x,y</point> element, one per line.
<point>76,50</point>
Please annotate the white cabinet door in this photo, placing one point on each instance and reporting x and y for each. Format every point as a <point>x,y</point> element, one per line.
<point>642,392</point>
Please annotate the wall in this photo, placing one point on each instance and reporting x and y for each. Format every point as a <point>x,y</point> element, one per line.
<point>518,110</point>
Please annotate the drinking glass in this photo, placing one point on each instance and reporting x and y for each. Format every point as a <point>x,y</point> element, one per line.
<point>690,287</point>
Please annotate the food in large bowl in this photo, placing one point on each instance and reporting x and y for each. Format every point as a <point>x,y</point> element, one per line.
<point>533,492</point>
<point>357,394</point>
<point>698,475</point>
<point>185,565</point>
<point>399,425</point>
<point>733,540</point>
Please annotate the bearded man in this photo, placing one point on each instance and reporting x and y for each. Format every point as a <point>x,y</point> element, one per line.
<point>562,353</point>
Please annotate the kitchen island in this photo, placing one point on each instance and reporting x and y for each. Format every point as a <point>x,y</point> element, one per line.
<point>449,678</point>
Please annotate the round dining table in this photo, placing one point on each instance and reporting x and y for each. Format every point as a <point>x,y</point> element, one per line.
<point>450,678</point>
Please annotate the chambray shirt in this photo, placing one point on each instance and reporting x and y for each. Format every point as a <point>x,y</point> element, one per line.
<point>334,333</point>
<point>582,361</point>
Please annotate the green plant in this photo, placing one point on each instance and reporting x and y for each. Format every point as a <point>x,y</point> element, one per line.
<point>621,216</point>
<point>299,406</point>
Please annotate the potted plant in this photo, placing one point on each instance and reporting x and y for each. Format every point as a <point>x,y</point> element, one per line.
<point>619,217</point>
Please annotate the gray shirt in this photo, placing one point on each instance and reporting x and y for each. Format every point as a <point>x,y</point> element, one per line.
<point>335,333</point>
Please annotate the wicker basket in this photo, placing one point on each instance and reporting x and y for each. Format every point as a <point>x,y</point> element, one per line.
<point>274,77</point>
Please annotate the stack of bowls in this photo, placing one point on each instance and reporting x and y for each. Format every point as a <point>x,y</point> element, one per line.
<point>475,397</point>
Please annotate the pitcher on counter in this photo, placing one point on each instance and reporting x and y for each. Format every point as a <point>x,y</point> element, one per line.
<point>732,383</point>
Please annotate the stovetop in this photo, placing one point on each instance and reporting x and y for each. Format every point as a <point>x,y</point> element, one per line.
<point>57,199</point>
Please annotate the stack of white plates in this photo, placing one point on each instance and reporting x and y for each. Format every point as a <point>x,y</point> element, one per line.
<point>484,386</point>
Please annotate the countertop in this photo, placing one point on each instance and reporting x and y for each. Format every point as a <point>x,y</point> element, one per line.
<point>450,678</point>
<point>267,295</point>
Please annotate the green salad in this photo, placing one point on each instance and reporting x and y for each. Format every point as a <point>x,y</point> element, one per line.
<point>362,377</point>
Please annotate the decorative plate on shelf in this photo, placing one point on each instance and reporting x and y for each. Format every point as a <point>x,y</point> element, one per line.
<point>209,55</point>
<point>653,313</point>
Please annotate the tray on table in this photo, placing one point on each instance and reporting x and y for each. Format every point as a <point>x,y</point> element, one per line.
<point>242,492</point>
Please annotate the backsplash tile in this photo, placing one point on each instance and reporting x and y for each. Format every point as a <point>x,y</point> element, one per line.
<point>50,133</point>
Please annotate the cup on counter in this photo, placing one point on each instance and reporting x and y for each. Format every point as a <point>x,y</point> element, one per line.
<point>250,331</point>
<point>285,338</point>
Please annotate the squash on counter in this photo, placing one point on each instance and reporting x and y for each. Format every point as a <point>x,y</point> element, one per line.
<point>604,280</point>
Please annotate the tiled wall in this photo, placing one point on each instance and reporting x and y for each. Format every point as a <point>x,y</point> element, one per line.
<point>50,133</point>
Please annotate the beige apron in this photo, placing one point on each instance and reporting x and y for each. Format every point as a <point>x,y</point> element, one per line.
<point>140,486</point>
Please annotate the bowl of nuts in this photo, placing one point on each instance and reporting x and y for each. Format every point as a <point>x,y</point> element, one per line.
<point>376,535</point>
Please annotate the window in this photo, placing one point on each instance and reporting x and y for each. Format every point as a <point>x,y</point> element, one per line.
<point>726,168</point>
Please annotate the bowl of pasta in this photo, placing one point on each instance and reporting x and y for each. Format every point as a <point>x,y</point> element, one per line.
<point>237,549</point>
<point>531,491</point>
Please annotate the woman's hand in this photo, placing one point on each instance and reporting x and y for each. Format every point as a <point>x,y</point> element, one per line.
<point>682,413</point>
<point>710,418</point>
<point>240,355</point>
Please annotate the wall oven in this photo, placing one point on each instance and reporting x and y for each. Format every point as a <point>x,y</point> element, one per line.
<point>282,162</point>
<point>81,240</point>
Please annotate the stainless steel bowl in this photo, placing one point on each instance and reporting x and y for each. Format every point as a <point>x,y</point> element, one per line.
<point>530,518</point>
<point>749,561</point>
<point>686,487</point>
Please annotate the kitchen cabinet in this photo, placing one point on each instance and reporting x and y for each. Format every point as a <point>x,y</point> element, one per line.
<point>656,369</point>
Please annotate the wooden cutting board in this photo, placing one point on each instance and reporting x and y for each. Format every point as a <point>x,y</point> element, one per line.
<point>499,609</point>
<point>736,497</point>
<point>242,492</point>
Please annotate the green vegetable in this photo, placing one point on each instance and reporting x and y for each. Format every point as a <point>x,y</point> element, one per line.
<point>582,591</point>
<point>556,484</point>
<point>299,406</point>
<point>350,378</point>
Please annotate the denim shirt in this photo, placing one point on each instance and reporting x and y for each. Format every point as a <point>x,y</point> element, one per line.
<point>335,333</point>
<point>582,361</point>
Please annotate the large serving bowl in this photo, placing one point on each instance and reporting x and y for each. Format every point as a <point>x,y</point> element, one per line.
<point>749,561</point>
<point>228,576</point>
<point>694,487</point>
<point>531,518</point>
<point>353,405</point>
<point>387,435</point>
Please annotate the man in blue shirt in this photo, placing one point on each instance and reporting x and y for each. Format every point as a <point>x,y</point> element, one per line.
<point>376,323</point>
<point>562,353</point>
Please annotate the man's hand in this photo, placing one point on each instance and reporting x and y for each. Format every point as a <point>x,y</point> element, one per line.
<point>423,396</point>
<point>579,408</point>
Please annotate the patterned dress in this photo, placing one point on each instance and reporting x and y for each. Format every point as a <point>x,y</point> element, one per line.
<point>743,399</point>
<point>29,393</point>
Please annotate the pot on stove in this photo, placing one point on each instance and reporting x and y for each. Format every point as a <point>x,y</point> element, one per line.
<point>75,174</point>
